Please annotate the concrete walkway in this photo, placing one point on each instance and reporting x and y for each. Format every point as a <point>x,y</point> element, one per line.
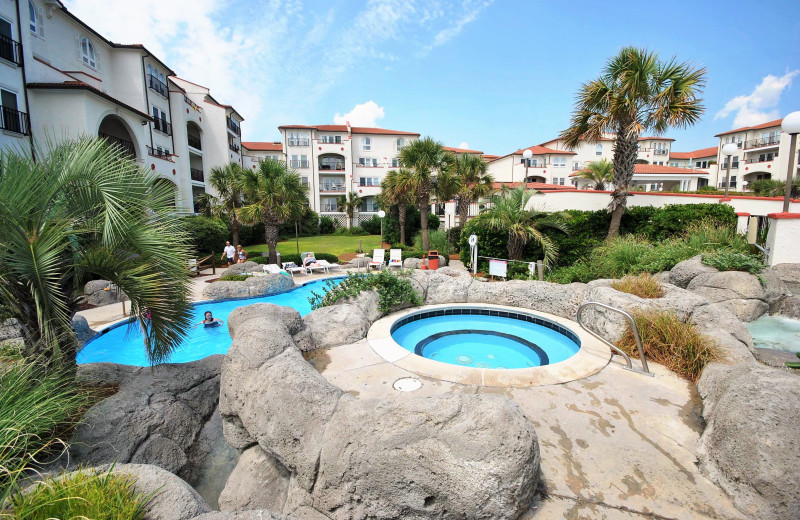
<point>616,445</point>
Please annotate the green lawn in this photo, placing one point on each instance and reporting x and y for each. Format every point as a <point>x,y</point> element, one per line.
<point>332,244</point>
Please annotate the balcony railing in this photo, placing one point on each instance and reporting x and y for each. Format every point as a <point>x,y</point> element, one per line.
<point>298,164</point>
<point>234,147</point>
<point>773,140</point>
<point>767,158</point>
<point>233,126</point>
<point>298,142</point>
<point>159,86</point>
<point>196,174</point>
<point>162,126</point>
<point>734,165</point>
<point>332,167</point>
<point>191,103</point>
<point>194,142</point>
<point>369,208</point>
<point>330,208</point>
<point>660,151</point>
<point>161,153</point>
<point>339,188</point>
<point>10,50</point>
<point>123,144</point>
<point>14,121</point>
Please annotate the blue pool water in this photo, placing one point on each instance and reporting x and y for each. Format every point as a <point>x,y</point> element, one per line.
<point>124,345</point>
<point>485,341</point>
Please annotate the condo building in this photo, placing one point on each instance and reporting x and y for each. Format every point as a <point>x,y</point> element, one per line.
<point>60,79</point>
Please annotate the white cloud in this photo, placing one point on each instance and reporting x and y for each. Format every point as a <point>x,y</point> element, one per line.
<point>463,146</point>
<point>365,114</point>
<point>759,106</point>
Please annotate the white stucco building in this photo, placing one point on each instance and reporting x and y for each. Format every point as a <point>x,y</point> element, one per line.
<point>70,81</point>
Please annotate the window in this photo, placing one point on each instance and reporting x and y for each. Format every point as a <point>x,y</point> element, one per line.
<point>369,181</point>
<point>400,143</point>
<point>367,161</point>
<point>727,140</point>
<point>735,163</point>
<point>559,161</point>
<point>34,21</point>
<point>11,119</point>
<point>576,165</point>
<point>160,121</point>
<point>673,164</point>
<point>298,139</point>
<point>295,162</point>
<point>88,54</point>
<point>598,150</point>
<point>304,181</point>
<point>304,161</point>
<point>366,144</point>
<point>337,139</point>
<point>395,162</point>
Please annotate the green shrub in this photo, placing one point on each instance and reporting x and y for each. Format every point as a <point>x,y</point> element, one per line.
<point>455,239</point>
<point>676,219</point>
<point>207,234</point>
<point>354,231</point>
<point>730,260</point>
<point>327,225</point>
<point>307,225</point>
<point>372,225</point>
<point>393,290</point>
<point>233,278</point>
<point>708,236</point>
<point>767,187</point>
<point>391,224</point>
<point>580,271</point>
<point>257,258</point>
<point>84,494</point>
<point>436,239</point>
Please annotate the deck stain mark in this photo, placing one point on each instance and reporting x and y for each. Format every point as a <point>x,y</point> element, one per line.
<point>601,423</point>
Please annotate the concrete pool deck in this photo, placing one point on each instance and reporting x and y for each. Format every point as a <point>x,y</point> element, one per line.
<point>614,445</point>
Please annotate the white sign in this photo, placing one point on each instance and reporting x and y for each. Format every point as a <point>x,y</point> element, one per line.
<point>498,268</point>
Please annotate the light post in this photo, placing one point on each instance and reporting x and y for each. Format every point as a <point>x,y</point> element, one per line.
<point>790,125</point>
<point>526,158</point>
<point>381,214</point>
<point>728,150</point>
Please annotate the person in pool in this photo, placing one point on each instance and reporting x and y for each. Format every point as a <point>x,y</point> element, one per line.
<point>210,321</point>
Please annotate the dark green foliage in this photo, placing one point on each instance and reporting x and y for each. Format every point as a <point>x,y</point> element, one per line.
<point>455,239</point>
<point>393,290</point>
<point>391,225</point>
<point>233,277</point>
<point>766,187</point>
<point>207,234</point>
<point>355,231</point>
<point>372,225</point>
<point>257,258</point>
<point>307,225</point>
<point>327,225</point>
<point>730,260</point>
<point>675,219</point>
<point>433,222</point>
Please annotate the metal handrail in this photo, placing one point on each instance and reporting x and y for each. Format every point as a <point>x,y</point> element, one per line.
<point>629,366</point>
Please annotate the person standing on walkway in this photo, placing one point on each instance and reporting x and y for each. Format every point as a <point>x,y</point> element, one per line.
<point>229,252</point>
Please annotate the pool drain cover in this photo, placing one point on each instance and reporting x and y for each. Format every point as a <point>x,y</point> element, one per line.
<point>407,384</point>
<point>464,360</point>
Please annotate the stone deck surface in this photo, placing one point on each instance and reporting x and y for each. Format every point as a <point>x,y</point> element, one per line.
<point>615,445</point>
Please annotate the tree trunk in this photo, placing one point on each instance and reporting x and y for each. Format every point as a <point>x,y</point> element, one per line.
<point>401,216</point>
<point>424,208</point>
<point>515,247</point>
<point>271,233</point>
<point>463,211</point>
<point>235,230</point>
<point>624,160</point>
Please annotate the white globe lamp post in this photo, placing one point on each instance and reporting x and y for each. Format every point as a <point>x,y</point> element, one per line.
<point>526,158</point>
<point>381,214</point>
<point>728,150</point>
<point>790,125</point>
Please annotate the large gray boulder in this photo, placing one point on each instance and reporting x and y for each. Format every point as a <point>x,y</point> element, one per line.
<point>82,330</point>
<point>154,418</point>
<point>412,263</point>
<point>256,514</point>
<point>10,329</point>
<point>750,446</point>
<point>446,285</point>
<point>332,326</point>
<point>686,271</point>
<point>172,498</point>
<point>728,332</point>
<point>253,287</point>
<point>741,293</point>
<point>259,481</point>
<point>247,267</point>
<point>102,292</point>
<point>553,298</point>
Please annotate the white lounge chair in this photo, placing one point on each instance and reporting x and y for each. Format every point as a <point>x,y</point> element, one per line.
<point>378,258</point>
<point>272,269</point>
<point>396,258</point>
<point>295,269</point>
<point>329,265</point>
<point>317,264</point>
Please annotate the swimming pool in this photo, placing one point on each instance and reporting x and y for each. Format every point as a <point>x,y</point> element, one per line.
<point>123,344</point>
<point>485,338</point>
<point>775,332</point>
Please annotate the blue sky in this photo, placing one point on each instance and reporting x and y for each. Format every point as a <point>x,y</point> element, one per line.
<point>496,75</point>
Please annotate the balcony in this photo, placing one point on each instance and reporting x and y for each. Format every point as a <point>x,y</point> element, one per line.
<point>298,142</point>
<point>368,208</point>
<point>233,126</point>
<point>774,140</point>
<point>762,158</point>
<point>15,121</point>
<point>332,188</point>
<point>330,208</point>
<point>734,165</point>
<point>157,85</point>
<point>191,103</point>
<point>298,164</point>
<point>196,174</point>
<point>162,126</point>
<point>194,142</point>
<point>330,166</point>
<point>234,147</point>
<point>123,144</point>
<point>660,151</point>
<point>161,153</point>
<point>10,50</point>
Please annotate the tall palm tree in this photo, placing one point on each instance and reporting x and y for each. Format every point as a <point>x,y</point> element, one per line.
<point>228,182</point>
<point>274,195</point>
<point>598,173</point>
<point>472,183</point>
<point>635,93</point>
<point>398,189</point>
<point>509,213</point>
<point>350,202</point>
<point>425,158</point>
<point>83,210</point>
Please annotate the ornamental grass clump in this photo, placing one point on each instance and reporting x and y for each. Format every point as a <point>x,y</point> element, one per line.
<point>81,494</point>
<point>643,286</point>
<point>672,342</point>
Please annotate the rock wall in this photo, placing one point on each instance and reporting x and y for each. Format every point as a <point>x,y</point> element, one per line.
<point>349,458</point>
<point>102,292</point>
<point>253,287</point>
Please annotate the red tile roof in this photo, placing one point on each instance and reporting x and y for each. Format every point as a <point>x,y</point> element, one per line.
<point>656,139</point>
<point>541,150</point>
<point>711,151</point>
<point>262,147</point>
<point>768,124</point>
<point>489,157</point>
<point>462,150</point>
<point>354,129</point>
<point>656,169</point>
<point>542,186</point>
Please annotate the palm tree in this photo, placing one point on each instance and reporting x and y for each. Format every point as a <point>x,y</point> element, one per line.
<point>398,189</point>
<point>509,213</point>
<point>350,202</point>
<point>227,181</point>
<point>471,182</point>
<point>274,195</point>
<point>86,210</point>
<point>598,173</point>
<point>635,93</point>
<point>425,158</point>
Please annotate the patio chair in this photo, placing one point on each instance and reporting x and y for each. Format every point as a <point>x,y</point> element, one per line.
<point>311,268</point>
<point>292,268</point>
<point>396,258</point>
<point>271,269</point>
<point>329,265</point>
<point>378,258</point>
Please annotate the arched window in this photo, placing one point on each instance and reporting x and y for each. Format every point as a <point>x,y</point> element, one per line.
<point>149,70</point>
<point>87,53</point>
<point>400,142</point>
<point>34,23</point>
<point>161,78</point>
<point>367,144</point>
<point>598,150</point>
